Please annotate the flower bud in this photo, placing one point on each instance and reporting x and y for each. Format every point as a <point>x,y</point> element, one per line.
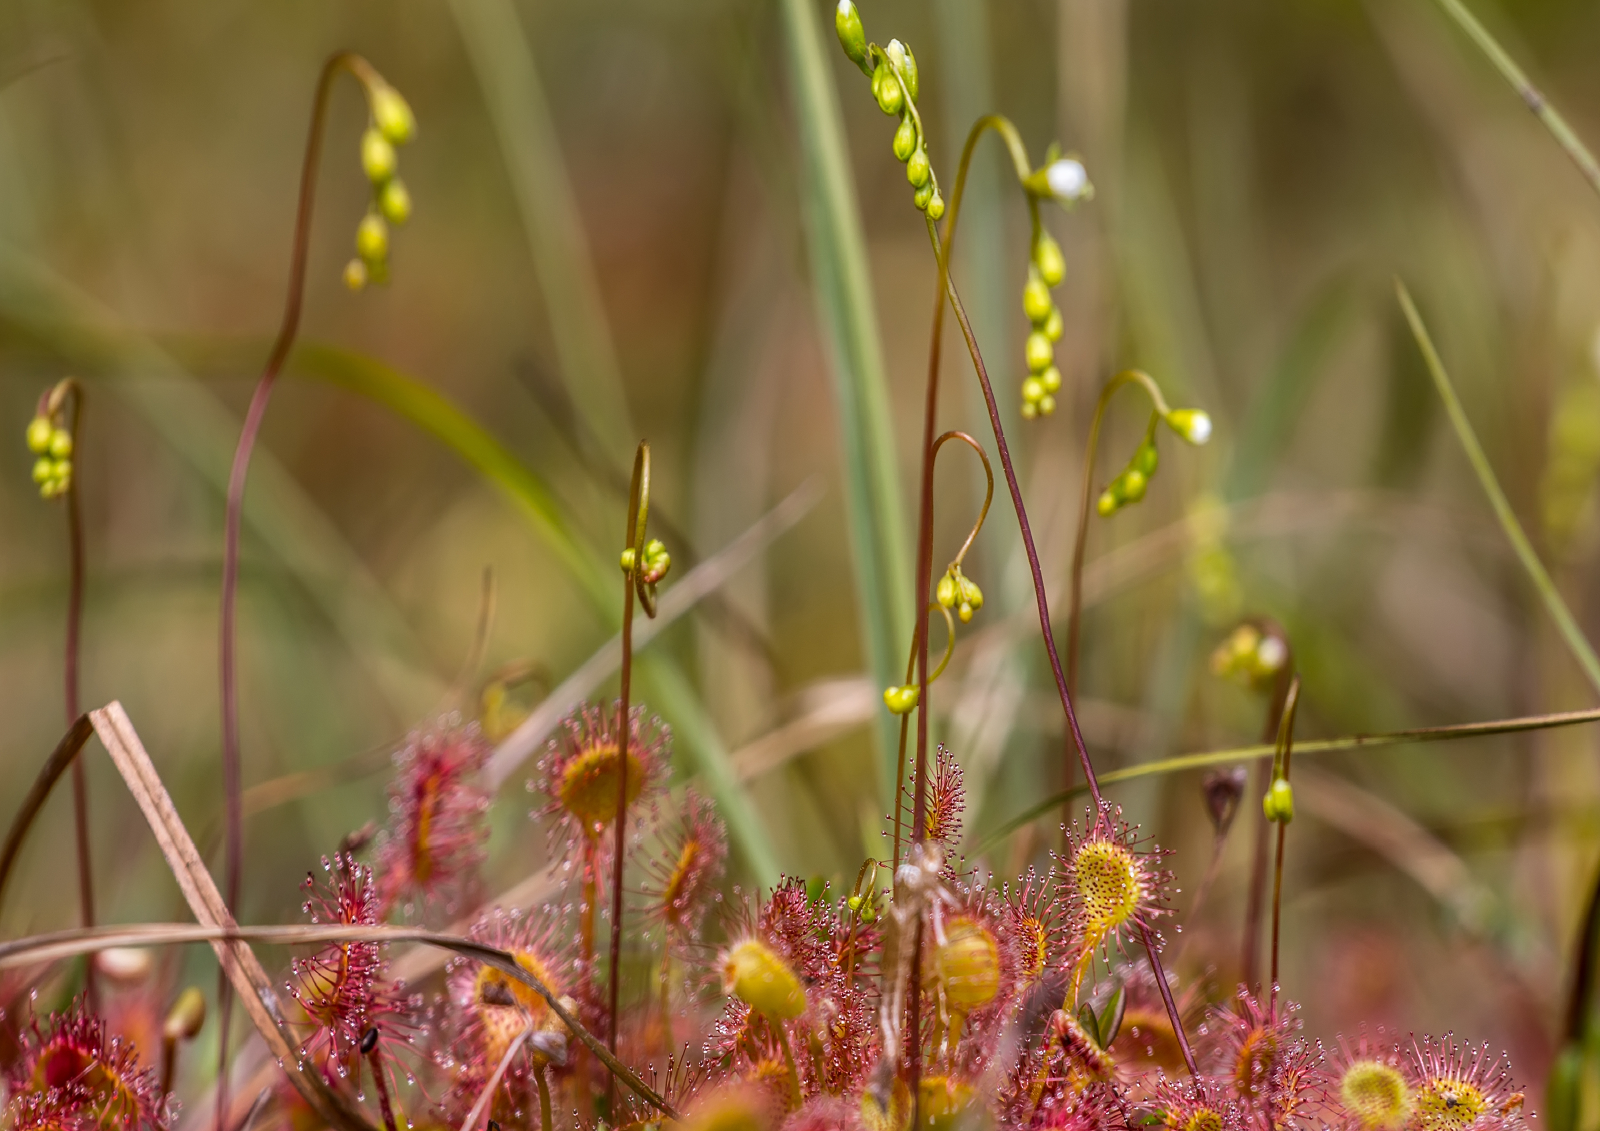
<point>1109,502</point>
<point>901,700</point>
<point>125,965</point>
<point>1145,459</point>
<point>394,201</point>
<point>1278,804</point>
<point>43,469</point>
<point>886,89</point>
<point>626,560</point>
<point>1038,352</point>
<point>1134,483</point>
<point>900,56</point>
<point>1052,324</point>
<point>355,274</point>
<point>188,1013</point>
<point>1050,379</point>
<point>39,431</point>
<point>1068,181</point>
<point>852,36</point>
<point>1269,657</point>
<point>1048,259</point>
<point>918,170</point>
<point>61,443</point>
<point>1032,389</point>
<point>1047,405</point>
<point>754,974</point>
<point>945,592</point>
<point>967,965</point>
<point>1029,410</point>
<point>935,207</point>
<point>1036,302</point>
<point>393,115</point>
<point>923,196</point>
<point>656,561</point>
<point>905,138</point>
<point>377,156</point>
<point>372,239</point>
<point>1192,424</point>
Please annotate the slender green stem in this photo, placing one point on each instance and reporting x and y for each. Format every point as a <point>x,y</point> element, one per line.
<point>1250,957</point>
<point>1266,750</point>
<point>1280,770</point>
<point>1563,133</point>
<point>1554,605</point>
<point>546,1121</point>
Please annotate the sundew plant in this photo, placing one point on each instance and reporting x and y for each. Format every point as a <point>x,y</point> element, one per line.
<point>608,873</point>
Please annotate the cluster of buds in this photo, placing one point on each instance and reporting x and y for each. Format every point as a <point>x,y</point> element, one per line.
<point>1129,486</point>
<point>1250,656</point>
<point>893,71</point>
<point>655,564</point>
<point>956,591</point>
<point>391,124</point>
<point>1064,180</point>
<point>50,440</point>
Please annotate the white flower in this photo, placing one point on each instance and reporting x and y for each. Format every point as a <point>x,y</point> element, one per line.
<point>1068,180</point>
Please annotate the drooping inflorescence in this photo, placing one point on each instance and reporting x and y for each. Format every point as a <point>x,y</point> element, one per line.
<point>50,438</point>
<point>390,124</point>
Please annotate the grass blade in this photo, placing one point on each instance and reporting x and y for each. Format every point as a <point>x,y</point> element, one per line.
<point>1554,605</point>
<point>505,68</point>
<point>845,308</point>
<point>1547,114</point>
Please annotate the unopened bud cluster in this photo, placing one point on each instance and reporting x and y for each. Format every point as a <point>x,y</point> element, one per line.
<point>50,441</point>
<point>391,125</point>
<point>1250,656</point>
<point>893,71</point>
<point>656,561</point>
<point>1278,803</point>
<point>956,591</point>
<point>1046,268</point>
<point>1133,480</point>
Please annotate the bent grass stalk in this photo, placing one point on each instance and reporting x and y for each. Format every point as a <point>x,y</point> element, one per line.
<point>1565,624</point>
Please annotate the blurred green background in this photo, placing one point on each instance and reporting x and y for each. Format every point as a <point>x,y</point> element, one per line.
<point>616,248</point>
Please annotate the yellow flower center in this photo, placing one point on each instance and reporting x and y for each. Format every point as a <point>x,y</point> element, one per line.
<point>967,965</point>
<point>589,784</point>
<point>1448,1105</point>
<point>1376,1094</point>
<point>1108,881</point>
<point>1203,1119</point>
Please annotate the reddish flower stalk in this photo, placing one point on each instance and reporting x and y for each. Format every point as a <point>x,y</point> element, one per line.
<point>1250,959</point>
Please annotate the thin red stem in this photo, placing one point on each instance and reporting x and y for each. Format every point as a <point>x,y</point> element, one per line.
<point>1255,899</point>
<point>623,727</point>
<point>231,778</point>
<point>382,1087</point>
<point>80,779</point>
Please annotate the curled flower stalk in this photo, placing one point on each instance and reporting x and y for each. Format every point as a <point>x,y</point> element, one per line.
<point>52,438</point>
<point>391,124</point>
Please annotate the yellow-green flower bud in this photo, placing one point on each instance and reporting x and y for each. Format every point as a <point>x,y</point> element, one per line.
<point>1047,405</point>
<point>1052,324</point>
<point>39,431</point>
<point>1278,804</point>
<point>1068,181</point>
<point>1134,483</point>
<point>1032,389</point>
<point>918,170</point>
<point>1029,410</point>
<point>900,56</point>
<point>377,156</point>
<point>656,561</point>
<point>60,443</point>
<point>1038,352</point>
<point>852,36</point>
<point>393,115</point>
<point>923,196</point>
<point>945,591</point>
<point>753,973</point>
<point>188,1013</point>
<point>355,274</point>
<point>1110,500</point>
<point>1192,424</point>
<point>626,560</point>
<point>43,469</point>
<point>886,89</point>
<point>394,201</point>
<point>1048,258</point>
<point>1050,379</point>
<point>901,700</point>
<point>935,208</point>
<point>905,138</point>
<point>372,239</point>
<point>1036,302</point>
<point>1145,459</point>
<point>971,599</point>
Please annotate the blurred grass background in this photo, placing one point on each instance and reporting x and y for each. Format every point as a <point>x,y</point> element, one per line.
<point>629,258</point>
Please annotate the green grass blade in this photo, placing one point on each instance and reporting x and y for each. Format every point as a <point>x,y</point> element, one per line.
<point>1554,605</point>
<point>845,307</point>
<point>504,63</point>
<point>1548,115</point>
